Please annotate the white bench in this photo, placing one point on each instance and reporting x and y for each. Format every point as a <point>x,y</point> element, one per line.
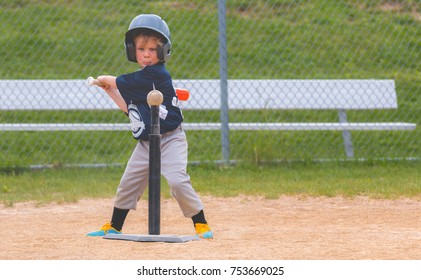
<point>339,95</point>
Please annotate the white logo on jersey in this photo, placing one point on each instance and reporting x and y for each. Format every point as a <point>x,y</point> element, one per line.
<point>136,122</point>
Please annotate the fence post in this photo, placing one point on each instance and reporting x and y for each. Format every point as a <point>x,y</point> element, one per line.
<point>223,76</point>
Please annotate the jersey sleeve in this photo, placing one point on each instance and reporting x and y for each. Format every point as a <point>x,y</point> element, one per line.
<point>133,88</point>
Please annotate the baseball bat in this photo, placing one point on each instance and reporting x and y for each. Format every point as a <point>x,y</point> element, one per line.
<point>94,82</point>
<point>182,93</point>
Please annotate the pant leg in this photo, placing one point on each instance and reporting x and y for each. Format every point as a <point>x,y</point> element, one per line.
<point>174,169</point>
<point>135,178</point>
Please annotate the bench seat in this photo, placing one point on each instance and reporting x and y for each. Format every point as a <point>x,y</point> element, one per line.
<point>341,95</point>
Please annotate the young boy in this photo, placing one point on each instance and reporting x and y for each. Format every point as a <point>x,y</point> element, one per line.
<point>148,43</point>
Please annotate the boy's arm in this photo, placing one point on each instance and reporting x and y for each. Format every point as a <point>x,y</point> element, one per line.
<point>110,87</point>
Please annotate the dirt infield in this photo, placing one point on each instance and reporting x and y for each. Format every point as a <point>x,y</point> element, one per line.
<point>288,228</point>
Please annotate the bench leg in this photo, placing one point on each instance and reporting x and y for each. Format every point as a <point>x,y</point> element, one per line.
<point>346,135</point>
<point>349,149</point>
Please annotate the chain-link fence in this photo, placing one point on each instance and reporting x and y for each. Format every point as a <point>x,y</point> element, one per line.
<point>265,40</point>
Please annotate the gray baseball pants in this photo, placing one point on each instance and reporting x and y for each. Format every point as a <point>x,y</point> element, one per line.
<point>173,167</point>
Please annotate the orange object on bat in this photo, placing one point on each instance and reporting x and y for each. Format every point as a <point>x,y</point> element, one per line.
<point>182,94</point>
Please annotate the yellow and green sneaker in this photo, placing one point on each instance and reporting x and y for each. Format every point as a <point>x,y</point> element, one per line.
<point>203,231</point>
<point>104,230</point>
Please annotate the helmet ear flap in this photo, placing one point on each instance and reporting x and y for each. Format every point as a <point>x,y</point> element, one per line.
<point>164,52</point>
<point>160,53</point>
<point>130,51</point>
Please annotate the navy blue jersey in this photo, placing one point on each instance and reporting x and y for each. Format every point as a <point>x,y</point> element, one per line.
<point>134,88</point>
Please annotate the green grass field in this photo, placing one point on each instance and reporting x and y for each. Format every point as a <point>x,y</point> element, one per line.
<point>390,180</point>
<point>334,32</point>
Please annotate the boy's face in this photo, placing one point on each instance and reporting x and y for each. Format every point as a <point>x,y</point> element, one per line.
<point>146,51</point>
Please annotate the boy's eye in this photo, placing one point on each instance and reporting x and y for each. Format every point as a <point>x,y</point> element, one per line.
<point>151,49</point>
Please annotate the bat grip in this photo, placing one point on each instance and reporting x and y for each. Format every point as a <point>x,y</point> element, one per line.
<point>182,94</point>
